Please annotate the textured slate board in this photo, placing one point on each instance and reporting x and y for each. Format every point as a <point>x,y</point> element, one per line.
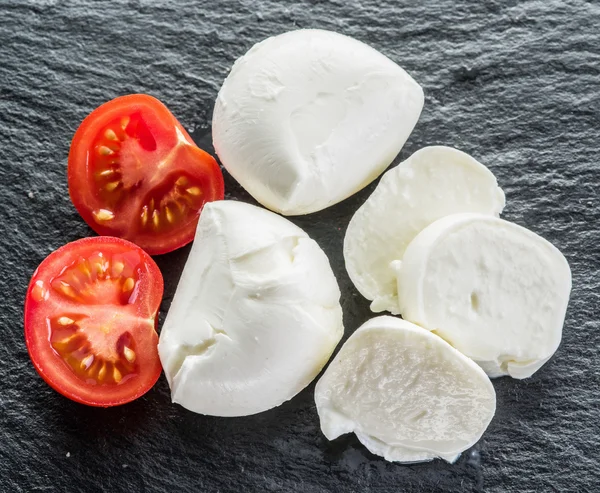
<point>516,84</point>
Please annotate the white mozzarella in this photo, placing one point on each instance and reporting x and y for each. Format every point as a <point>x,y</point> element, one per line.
<point>309,117</point>
<point>494,290</point>
<point>407,394</point>
<point>255,317</point>
<point>432,183</point>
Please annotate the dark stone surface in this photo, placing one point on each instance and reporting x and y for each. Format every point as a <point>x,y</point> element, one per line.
<point>516,84</point>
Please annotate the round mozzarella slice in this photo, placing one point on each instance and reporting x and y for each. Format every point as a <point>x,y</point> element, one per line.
<point>432,183</point>
<point>255,317</point>
<point>407,394</point>
<point>494,290</point>
<point>309,117</point>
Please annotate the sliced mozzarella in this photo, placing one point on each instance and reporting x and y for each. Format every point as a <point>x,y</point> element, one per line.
<point>255,317</point>
<point>432,183</point>
<point>407,394</point>
<point>307,118</point>
<point>494,290</point>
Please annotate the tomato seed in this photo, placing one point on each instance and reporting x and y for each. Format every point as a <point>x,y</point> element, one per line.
<point>193,191</point>
<point>128,285</point>
<point>105,151</point>
<point>144,215</point>
<point>168,214</point>
<point>117,268</point>
<point>129,354</point>
<point>103,215</point>
<point>102,372</point>
<point>87,361</point>
<point>66,289</point>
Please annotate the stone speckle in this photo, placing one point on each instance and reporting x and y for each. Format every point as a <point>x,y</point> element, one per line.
<point>513,83</point>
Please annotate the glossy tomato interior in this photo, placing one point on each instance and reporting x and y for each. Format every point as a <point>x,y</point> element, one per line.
<point>90,320</point>
<point>134,172</point>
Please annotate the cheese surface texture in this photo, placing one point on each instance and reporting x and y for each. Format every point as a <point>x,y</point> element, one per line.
<point>494,290</point>
<point>255,317</point>
<point>309,117</point>
<point>407,394</point>
<point>432,183</point>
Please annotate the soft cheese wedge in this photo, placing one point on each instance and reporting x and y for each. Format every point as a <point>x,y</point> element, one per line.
<point>255,317</point>
<point>309,117</point>
<point>432,183</point>
<point>407,394</point>
<point>494,290</point>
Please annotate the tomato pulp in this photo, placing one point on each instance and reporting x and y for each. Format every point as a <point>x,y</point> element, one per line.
<point>134,172</point>
<point>90,321</point>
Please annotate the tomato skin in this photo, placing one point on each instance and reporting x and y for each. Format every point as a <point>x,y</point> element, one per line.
<point>143,311</point>
<point>164,151</point>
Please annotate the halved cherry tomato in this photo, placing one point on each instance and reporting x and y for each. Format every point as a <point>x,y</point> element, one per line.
<point>134,172</point>
<point>90,321</point>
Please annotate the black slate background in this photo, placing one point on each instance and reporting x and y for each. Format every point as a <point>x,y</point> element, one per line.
<point>516,84</point>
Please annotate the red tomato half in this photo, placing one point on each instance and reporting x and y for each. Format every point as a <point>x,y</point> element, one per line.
<point>90,321</point>
<point>134,172</point>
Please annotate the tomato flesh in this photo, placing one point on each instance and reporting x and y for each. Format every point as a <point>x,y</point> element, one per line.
<point>90,320</point>
<point>134,172</point>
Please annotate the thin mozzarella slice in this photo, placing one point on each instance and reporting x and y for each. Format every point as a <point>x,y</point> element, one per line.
<point>407,394</point>
<point>432,183</point>
<point>255,317</point>
<point>494,290</point>
<point>309,117</point>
